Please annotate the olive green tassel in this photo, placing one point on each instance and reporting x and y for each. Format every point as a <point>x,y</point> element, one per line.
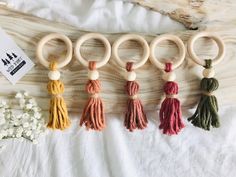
<point>206,114</point>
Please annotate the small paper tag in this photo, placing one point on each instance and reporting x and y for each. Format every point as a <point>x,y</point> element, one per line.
<point>14,63</point>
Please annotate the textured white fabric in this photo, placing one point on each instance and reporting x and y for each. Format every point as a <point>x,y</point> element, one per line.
<point>99,15</point>
<point>116,152</point>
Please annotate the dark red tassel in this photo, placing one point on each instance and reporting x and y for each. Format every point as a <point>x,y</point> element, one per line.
<point>170,112</point>
<point>93,116</point>
<point>135,118</point>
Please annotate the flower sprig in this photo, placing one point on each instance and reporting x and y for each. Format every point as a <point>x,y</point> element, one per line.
<point>29,123</point>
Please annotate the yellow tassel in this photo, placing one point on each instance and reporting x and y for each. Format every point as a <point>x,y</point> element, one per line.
<point>58,114</point>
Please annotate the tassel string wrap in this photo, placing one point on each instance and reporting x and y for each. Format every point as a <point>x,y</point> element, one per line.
<point>58,114</point>
<point>93,116</point>
<point>206,114</point>
<point>135,118</point>
<point>170,113</point>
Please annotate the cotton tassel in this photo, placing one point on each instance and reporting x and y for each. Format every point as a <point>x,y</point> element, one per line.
<point>135,116</point>
<point>206,114</point>
<point>93,116</point>
<point>170,112</point>
<point>58,115</point>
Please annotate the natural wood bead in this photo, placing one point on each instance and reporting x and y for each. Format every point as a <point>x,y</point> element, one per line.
<point>93,75</point>
<point>169,76</point>
<point>130,76</point>
<point>208,73</point>
<point>54,75</point>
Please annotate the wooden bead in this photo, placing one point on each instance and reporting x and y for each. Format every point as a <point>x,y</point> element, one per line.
<point>208,73</point>
<point>93,75</point>
<point>130,76</point>
<point>54,75</point>
<point>169,76</point>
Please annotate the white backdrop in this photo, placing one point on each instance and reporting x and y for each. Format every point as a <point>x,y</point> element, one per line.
<point>99,15</point>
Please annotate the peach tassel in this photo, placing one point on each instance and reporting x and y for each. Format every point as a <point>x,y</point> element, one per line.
<point>135,116</point>
<point>93,116</point>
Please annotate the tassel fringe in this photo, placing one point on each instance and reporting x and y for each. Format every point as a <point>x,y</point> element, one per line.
<point>170,112</point>
<point>58,115</point>
<point>135,118</point>
<point>93,116</point>
<point>206,114</point>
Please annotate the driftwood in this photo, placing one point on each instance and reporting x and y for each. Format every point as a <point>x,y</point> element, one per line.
<point>27,30</point>
<point>194,14</point>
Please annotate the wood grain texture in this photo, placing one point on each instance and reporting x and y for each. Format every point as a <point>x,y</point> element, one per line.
<point>27,30</point>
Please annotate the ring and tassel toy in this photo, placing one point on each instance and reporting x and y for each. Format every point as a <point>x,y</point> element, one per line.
<point>170,113</point>
<point>93,116</point>
<point>206,114</point>
<point>58,115</point>
<point>135,117</point>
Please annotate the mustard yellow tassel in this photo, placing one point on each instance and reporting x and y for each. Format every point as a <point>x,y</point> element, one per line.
<point>58,114</point>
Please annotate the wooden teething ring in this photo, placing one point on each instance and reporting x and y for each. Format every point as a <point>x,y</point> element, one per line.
<point>97,36</point>
<point>127,37</point>
<point>174,39</point>
<point>45,39</point>
<point>218,41</point>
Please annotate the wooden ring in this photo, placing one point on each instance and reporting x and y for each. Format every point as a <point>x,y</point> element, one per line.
<point>218,41</point>
<point>97,36</point>
<point>179,60</point>
<point>44,40</point>
<point>135,37</point>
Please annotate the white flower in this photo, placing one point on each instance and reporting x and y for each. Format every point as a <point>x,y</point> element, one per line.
<point>36,109</point>
<point>22,103</point>
<point>34,126</point>
<point>26,94</point>
<point>29,106</point>
<point>4,133</point>
<point>1,114</point>
<point>19,130</point>
<point>18,135</point>
<point>16,122</point>
<point>19,95</point>
<point>32,136</point>
<point>25,115</point>
<point>37,115</point>
<point>39,126</point>
<point>33,102</point>
<point>13,117</point>
<point>2,121</point>
<point>26,124</point>
<point>1,136</point>
<point>35,141</point>
<point>6,126</point>
<point>10,131</point>
<point>19,116</point>
<point>8,115</point>
<point>28,133</point>
<point>3,103</point>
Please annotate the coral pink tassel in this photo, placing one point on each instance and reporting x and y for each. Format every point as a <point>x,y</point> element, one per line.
<point>170,112</point>
<point>93,115</point>
<point>135,116</point>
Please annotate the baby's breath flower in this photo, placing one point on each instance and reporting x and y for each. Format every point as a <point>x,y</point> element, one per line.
<point>29,124</point>
<point>19,95</point>
<point>29,106</point>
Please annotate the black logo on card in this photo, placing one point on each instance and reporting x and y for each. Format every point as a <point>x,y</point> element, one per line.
<point>12,62</point>
<point>9,58</point>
